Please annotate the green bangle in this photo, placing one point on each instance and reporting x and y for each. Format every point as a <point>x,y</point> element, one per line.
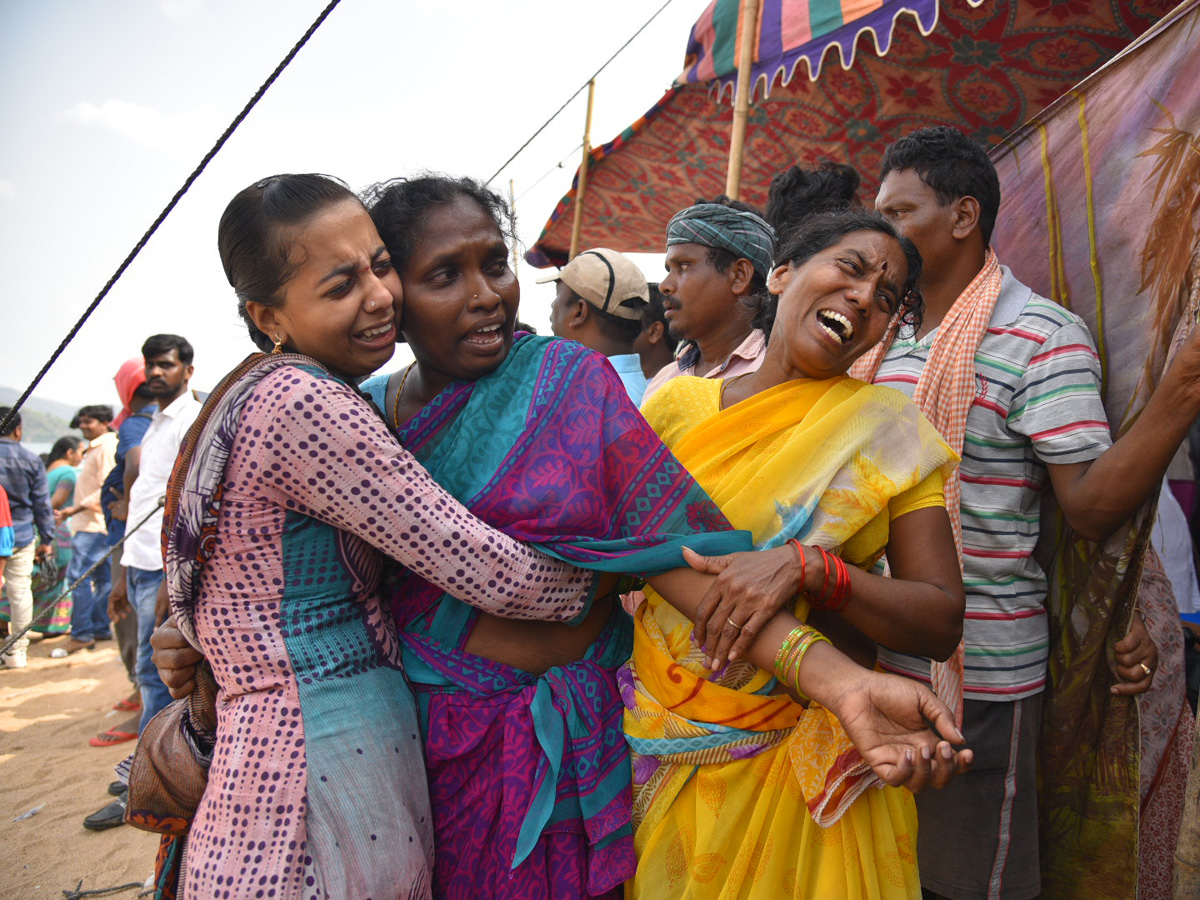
<point>792,652</point>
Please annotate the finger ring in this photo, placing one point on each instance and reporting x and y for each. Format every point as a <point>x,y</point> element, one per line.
<point>734,624</point>
<point>1146,669</point>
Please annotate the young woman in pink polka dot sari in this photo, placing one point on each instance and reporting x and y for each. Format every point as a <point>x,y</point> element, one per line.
<point>288,495</point>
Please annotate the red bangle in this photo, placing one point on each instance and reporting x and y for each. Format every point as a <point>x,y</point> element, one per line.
<point>823,601</point>
<point>800,550</point>
<point>836,599</point>
<point>841,593</point>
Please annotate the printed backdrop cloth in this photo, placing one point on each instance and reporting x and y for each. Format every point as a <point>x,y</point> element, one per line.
<point>735,786</point>
<point>1101,213</point>
<point>529,774</point>
<point>985,69</point>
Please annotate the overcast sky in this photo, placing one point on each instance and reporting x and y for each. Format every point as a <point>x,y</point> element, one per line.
<point>107,107</point>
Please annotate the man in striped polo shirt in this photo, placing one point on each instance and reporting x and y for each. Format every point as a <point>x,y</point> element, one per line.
<point>1031,417</point>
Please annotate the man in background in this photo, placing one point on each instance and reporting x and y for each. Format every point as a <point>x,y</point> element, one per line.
<point>89,543</point>
<point>168,359</point>
<point>655,346</point>
<point>168,369</point>
<point>1012,379</point>
<point>717,253</point>
<point>23,478</point>
<point>600,299</point>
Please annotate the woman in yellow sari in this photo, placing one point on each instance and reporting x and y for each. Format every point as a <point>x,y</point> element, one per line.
<point>740,791</point>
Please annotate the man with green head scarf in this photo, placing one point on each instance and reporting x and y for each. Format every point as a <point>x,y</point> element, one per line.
<point>717,253</point>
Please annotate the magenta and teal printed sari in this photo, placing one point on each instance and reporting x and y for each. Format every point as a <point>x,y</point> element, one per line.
<point>529,774</point>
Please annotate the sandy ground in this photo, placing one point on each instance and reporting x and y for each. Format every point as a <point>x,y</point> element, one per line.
<point>47,713</point>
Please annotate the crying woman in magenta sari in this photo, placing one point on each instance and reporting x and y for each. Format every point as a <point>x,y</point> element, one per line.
<point>526,758</point>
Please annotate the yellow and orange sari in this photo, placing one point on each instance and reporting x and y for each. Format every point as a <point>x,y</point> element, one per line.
<point>740,792</point>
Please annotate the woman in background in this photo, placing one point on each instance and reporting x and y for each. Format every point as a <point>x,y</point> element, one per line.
<point>50,574</point>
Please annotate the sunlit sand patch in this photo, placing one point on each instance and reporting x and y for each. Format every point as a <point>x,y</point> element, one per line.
<point>48,712</point>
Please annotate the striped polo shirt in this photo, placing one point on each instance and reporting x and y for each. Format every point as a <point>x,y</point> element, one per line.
<point>1037,402</point>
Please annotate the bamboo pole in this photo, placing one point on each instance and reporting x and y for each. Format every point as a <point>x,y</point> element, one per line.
<point>581,191</point>
<point>512,210</point>
<point>741,103</point>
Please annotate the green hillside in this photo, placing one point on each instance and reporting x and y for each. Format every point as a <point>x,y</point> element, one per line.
<point>43,421</point>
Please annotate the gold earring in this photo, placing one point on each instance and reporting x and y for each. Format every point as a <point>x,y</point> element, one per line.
<point>278,348</point>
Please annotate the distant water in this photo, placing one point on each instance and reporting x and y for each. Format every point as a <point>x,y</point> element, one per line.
<point>38,446</point>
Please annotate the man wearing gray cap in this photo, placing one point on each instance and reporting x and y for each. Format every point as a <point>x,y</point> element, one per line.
<point>600,299</point>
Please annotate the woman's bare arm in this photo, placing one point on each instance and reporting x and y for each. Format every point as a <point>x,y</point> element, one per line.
<point>370,486</point>
<point>884,715</point>
<point>919,609</point>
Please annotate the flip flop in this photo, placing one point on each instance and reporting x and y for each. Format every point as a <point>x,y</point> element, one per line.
<point>111,737</point>
<point>128,704</point>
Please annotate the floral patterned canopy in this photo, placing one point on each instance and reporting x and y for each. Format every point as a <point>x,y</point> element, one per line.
<point>985,68</point>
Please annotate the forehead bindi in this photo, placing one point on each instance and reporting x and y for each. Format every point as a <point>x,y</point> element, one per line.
<point>893,269</point>
<point>877,253</point>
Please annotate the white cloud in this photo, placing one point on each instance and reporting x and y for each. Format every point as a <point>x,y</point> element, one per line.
<point>179,9</point>
<point>7,189</point>
<point>143,125</point>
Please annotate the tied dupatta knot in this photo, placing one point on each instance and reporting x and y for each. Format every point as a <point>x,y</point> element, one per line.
<point>945,392</point>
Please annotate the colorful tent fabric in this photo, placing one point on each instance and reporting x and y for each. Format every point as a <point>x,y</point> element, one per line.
<point>985,68</point>
<point>788,31</point>
<point>1101,212</point>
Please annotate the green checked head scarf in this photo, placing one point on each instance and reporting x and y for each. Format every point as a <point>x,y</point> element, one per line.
<point>743,234</point>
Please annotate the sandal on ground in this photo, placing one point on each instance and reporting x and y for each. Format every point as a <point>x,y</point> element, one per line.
<point>111,737</point>
<point>132,703</point>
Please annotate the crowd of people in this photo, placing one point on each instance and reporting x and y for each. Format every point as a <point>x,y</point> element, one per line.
<point>71,509</point>
<point>726,590</point>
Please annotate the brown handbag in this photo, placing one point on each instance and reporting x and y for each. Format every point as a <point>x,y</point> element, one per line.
<point>167,779</point>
